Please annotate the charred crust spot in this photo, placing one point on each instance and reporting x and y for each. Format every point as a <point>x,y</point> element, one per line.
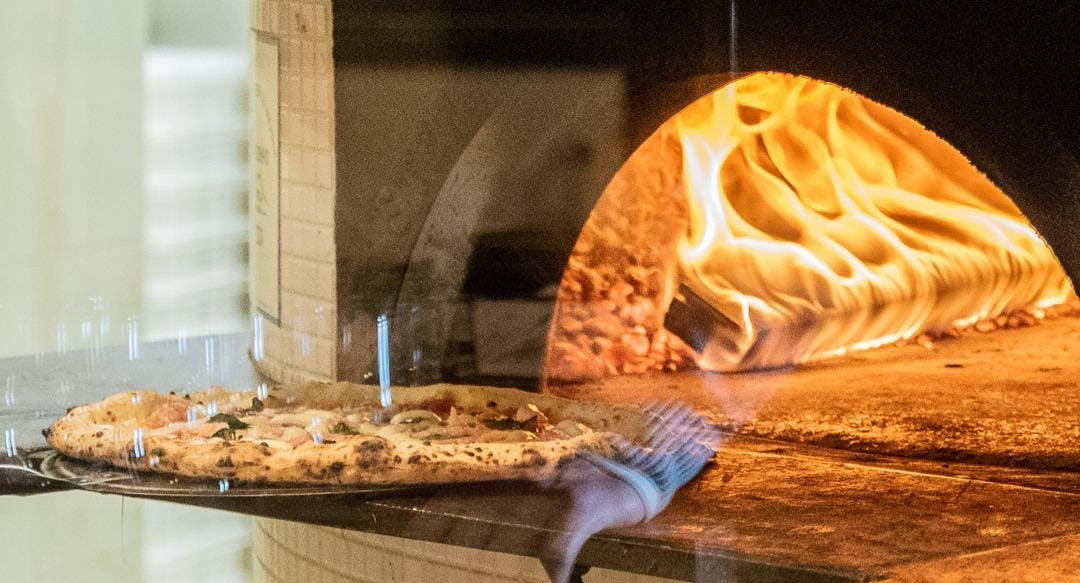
<point>531,458</point>
<point>414,458</point>
<point>469,453</point>
<point>225,462</point>
<point>158,451</point>
<point>70,409</point>
<point>187,397</point>
<point>492,404</point>
<point>46,432</point>
<point>370,446</point>
<point>336,467</point>
<point>397,459</point>
<point>99,434</point>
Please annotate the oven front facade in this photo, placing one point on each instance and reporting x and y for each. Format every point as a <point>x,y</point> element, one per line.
<point>842,237</point>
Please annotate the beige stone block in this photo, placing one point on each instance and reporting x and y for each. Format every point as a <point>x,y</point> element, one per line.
<point>310,204</point>
<point>289,161</point>
<point>324,93</point>
<point>272,19</point>
<point>320,20</point>
<point>291,126</point>
<point>308,315</point>
<point>323,64</point>
<point>292,54</point>
<point>309,278</point>
<point>309,122</point>
<point>307,166</point>
<point>308,99</point>
<point>324,169</point>
<point>323,130</point>
<point>293,97</point>
<point>313,354</point>
<point>307,240</point>
<point>307,55</point>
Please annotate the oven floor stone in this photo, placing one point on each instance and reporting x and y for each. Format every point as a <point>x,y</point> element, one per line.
<point>1008,398</point>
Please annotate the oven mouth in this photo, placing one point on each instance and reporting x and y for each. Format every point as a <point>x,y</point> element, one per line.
<point>779,220</point>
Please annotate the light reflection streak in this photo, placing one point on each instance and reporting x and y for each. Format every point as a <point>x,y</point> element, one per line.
<point>61,339</point>
<point>258,347</point>
<point>9,391</point>
<point>9,441</point>
<point>382,333</point>
<point>208,356</point>
<point>138,449</point>
<point>133,337</point>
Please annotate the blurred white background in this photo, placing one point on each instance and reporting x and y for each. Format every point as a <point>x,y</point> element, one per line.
<point>122,183</point>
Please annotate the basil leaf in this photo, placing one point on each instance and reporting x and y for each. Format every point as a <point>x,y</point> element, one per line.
<point>232,421</point>
<point>342,429</point>
<point>504,424</point>
<point>225,433</point>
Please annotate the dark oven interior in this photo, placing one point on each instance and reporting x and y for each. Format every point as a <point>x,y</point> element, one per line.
<point>476,140</point>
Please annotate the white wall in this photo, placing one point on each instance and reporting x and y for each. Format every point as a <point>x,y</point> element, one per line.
<point>70,167</point>
<point>72,231</point>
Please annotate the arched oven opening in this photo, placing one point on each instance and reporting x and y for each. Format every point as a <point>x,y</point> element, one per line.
<point>779,220</point>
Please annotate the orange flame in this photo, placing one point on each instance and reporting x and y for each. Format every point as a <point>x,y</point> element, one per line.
<point>822,222</point>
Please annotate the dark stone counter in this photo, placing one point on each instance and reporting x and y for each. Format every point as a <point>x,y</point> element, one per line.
<point>976,491</point>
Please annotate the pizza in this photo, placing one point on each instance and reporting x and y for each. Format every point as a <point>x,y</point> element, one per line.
<point>339,434</point>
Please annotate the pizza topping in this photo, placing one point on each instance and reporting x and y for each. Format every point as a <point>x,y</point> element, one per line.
<point>225,433</point>
<point>414,416</point>
<point>343,428</point>
<point>402,429</point>
<point>572,428</point>
<point>504,423</point>
<point>457,419</point>
<point>289,427</point>
<point>504,436</point>
<point>529,412</point>
<point>230,420</point>
<point>256,405</point>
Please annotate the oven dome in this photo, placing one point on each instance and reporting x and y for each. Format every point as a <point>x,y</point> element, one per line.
<point>782,219</point>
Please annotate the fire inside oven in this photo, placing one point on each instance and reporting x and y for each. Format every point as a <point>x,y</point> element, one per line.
<point>779,220</point>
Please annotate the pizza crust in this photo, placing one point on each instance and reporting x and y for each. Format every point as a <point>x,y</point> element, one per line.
<point>119,431</point>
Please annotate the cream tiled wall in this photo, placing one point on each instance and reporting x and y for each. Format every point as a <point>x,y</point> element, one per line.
<point>287,552</point>
<point>303,346</point>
